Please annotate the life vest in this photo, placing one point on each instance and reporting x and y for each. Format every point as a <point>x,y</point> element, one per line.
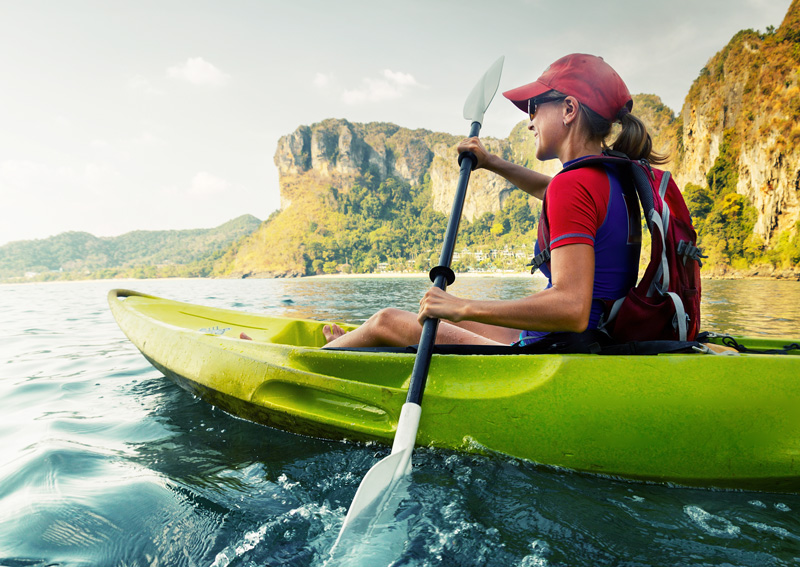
<point>665,304</point>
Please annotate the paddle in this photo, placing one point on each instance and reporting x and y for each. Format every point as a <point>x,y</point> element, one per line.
<point>379,481</point>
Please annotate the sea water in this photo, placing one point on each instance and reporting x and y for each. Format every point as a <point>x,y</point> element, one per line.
<point>104,462</point>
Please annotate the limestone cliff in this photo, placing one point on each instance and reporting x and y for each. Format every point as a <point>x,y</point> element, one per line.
<point>342,150</point>
<point>487,192</point>
<point>339,151</point>
<point>750,93</point>
<point>336,152</point>
<point>320,163</point>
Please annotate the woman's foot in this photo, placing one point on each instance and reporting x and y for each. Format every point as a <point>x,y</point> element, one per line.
<point>332,332</point>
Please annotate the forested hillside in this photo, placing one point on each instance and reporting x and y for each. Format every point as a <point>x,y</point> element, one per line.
<point>360,198</point>
<point>379,226</point>
<point>166,253</point>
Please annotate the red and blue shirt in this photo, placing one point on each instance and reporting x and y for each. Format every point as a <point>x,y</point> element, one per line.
<point>598,206</point>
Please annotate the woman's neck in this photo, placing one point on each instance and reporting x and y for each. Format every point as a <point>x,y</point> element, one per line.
<point>578,146</point>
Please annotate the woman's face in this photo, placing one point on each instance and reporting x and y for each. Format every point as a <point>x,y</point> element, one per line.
<point>548,128</point>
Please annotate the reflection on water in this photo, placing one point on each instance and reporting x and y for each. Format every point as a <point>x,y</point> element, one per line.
<point>105,462</point>
<point>353,300</point>
<point>752,307</point>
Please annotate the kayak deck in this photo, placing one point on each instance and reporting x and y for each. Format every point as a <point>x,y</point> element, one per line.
<point>703,420</point>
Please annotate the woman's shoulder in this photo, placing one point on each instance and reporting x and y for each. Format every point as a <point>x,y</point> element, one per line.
<point>590,178</point>
<point>585,188</point>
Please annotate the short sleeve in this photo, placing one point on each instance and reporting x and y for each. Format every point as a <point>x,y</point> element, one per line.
<point>577,204</point>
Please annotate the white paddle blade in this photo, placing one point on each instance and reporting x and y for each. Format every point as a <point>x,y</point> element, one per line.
<point>483,93</point>
<point>380,480</point>
<point>376,488</point>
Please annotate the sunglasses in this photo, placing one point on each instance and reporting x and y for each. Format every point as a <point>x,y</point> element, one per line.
<point>534,104</point>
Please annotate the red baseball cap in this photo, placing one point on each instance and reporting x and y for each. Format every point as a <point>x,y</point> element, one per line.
<point>586,77</point>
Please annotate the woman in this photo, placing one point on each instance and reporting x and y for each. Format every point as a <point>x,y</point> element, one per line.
<point>594,235</point>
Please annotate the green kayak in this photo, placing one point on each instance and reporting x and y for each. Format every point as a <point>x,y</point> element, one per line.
<point>691,419</point>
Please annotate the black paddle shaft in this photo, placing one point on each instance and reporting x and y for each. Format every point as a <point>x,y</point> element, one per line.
<point>442,275</point>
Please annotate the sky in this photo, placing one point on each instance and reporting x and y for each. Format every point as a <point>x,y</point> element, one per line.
<point>152,115</point>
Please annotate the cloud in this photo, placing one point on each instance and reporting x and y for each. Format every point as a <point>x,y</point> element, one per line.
<point>401,79</point>
<point>198,71</point>
<point>322,80</point>
<point>205,184</point>
<point>143,85</point>
<point>391,86</point>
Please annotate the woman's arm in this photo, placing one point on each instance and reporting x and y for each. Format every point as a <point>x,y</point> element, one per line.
<point>563,307</point>
<point>532,182</point>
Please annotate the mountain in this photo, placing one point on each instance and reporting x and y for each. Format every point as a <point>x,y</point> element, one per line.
<point>72,255</point>
<point>360,195</point>
<point>737,149</point>
<point>333,172</point>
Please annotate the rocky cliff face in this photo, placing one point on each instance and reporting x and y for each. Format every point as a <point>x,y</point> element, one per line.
<point>486,193</point>
<point>339,151</point>
<point>336,152</point>
<point>749,94</point>
<point>338,148</point>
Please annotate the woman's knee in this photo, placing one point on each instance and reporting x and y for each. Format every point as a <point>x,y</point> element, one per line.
<point>390,317</point>
<point>393,326</point>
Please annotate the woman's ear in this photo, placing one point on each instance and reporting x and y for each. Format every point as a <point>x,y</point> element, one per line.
<point>571,110</point>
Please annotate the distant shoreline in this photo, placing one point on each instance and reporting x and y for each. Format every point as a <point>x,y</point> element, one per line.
<point>382,275</point>
<point>423,275</point>
<point>755,273</point>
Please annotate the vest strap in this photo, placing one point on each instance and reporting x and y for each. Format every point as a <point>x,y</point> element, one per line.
<point>541,258</point>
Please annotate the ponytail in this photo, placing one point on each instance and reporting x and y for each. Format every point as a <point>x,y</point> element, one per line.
<point>633,140</point>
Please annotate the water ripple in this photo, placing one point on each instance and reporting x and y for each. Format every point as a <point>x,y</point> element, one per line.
<point>105,462</point>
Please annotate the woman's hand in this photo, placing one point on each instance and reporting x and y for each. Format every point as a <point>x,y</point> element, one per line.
<point>475,146</point>
<point>532,182</point>
<point>438,304</point>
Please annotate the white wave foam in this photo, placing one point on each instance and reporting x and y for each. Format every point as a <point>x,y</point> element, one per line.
<point>711,524</point>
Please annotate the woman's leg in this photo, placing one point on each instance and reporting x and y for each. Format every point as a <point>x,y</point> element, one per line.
<point>394,327</point>
<point>502,335</point>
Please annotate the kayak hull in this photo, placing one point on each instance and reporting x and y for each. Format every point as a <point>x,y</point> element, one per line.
<point>691,419</point>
